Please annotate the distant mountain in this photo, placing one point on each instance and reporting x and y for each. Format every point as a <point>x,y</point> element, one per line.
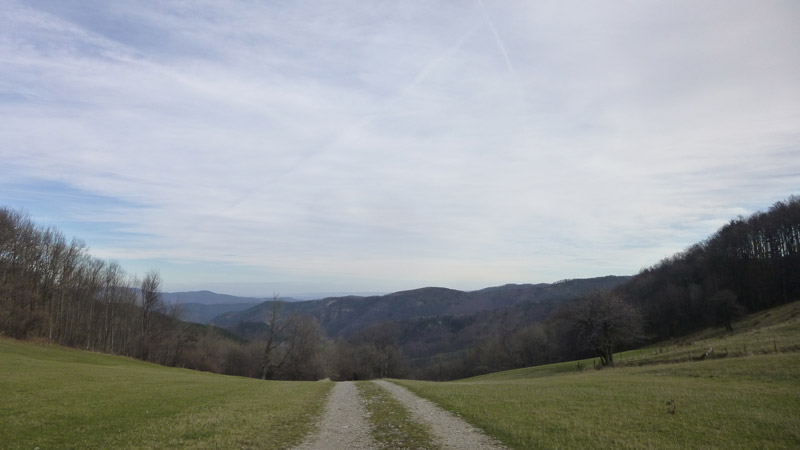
<point>344,316</point>
<point>209,298</point>
<point>202,306</point>
<point>201,313</point>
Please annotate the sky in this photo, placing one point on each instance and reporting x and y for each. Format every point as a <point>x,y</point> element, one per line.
<point>263,147</point>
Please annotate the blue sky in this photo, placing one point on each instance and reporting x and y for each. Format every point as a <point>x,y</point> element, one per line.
<point>300,147</point>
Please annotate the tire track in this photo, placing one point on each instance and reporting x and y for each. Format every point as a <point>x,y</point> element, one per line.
<point>449,431</point>
<point>344,425</point>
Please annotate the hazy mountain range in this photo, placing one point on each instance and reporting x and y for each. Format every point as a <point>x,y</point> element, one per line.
<point>428,320</point>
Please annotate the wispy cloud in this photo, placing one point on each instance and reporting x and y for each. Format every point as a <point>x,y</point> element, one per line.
<point>394,144</point>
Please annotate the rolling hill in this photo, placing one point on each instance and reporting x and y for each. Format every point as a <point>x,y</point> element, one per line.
<point>429,320</point>
<point>742,396</point>
<point>58,397</point>
<point>202,313</point>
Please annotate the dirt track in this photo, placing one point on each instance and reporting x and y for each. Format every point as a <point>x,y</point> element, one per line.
<point>344,425</point>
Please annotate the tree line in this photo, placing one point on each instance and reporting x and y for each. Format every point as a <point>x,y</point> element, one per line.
<point>597,325</point>
<point>53,289</point>
<point>748,265</point>
<point>56,290</point>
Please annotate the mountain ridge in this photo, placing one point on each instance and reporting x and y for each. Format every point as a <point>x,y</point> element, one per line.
<point>344,316</point>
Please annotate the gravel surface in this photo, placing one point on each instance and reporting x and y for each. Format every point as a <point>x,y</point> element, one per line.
<point>450,431</point>
<point>344,425</point>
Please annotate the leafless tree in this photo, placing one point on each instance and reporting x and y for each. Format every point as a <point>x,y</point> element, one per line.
<point>726,308</point>
<point>273,338</point>
<point>603,322</point>
<point>151,305</point>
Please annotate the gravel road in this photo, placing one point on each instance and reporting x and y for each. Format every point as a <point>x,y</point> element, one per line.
<point>344,425</point>
<point>449,431</point>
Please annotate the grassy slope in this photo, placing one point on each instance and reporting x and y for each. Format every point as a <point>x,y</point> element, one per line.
<point>53,397</point>
<point>745,402</point>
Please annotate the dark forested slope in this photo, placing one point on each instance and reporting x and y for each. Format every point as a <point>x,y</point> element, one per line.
<point>748,265</point>
<point>433,312</point>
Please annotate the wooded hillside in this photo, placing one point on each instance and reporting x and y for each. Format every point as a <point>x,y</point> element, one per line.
<point>56,290</point>
<point>748,265</point>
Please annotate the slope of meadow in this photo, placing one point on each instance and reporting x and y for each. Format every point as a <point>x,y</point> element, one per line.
<point>747,399</point>
<point>55,397</point>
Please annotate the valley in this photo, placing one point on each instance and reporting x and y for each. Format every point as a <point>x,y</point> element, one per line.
<point>427,321</point>
<point>742,400</point>
<point>426,225</point>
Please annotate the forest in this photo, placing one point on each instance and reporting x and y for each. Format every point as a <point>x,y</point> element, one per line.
<point>748,265</point>
<point>53,289</point>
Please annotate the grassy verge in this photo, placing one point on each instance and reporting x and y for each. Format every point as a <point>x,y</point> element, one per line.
<point>53,397</point>
<point>734,403</point>
<point>392,425</point>
<point>752,401</point>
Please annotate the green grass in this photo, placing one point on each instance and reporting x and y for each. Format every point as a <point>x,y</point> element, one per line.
<point>392,426</point>
<point>54,397</point>
<point>759,333</point>
<point>750,401</point>
<point>742,403</point>
<point>770,331</point>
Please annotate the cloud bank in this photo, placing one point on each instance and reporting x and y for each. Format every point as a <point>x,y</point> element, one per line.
<point>388,145</point>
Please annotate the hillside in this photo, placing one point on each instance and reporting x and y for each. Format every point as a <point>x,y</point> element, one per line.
<point>665,396</point>
<point>736,403</point>
<point>208,298</point>
<point>56,397</point>
<point>742,400</point>
<point>205,313</point>
<point>56,290</point>
<point>452,310</point>
<point>203,306</point>
<point>748,265</point>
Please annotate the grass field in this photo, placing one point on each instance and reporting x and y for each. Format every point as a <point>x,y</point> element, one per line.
<point>771,331</point>
<point>54,397</point>
<point>746,402</point>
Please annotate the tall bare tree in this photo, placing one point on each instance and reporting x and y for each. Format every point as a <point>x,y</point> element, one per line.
<point>151,305</point>
<point>273,338</point>
<point>301,357</point>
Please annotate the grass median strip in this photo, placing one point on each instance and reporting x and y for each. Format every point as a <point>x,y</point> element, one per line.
<point>393,427</point>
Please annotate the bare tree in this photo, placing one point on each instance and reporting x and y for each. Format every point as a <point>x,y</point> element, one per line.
<point>301,351</point>
<point>151,305</point>
<point>374,352</point>
<point>273,339</point>
<point>726,308</point>
<point>603,322</point>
